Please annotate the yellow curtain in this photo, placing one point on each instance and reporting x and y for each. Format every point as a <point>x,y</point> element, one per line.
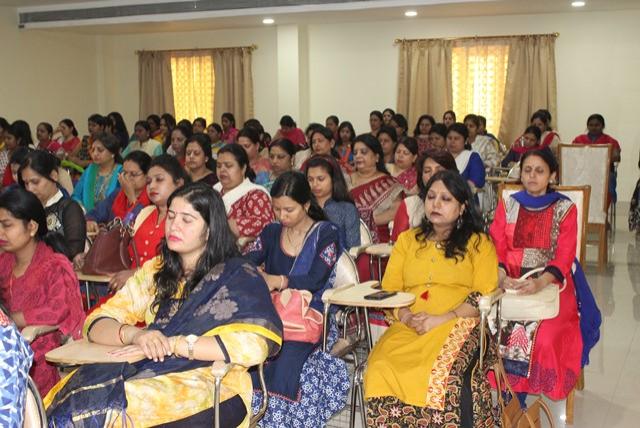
<point>424,78</point>
<point>530,84</point>
<point>155,90</point>
<point>234,91</point>
<point>478,74</point>
<point>193,78</point>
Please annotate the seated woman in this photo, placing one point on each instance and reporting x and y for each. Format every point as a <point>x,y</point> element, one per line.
<point>322,144</point>
<point>346,135</point>
<point>422,130</point>
<point>117,127</point>
<point>178,142</point>
<point>403,167</point>
<point>376,194</point>
<point>425,366</point>
<point>164,177</point>
<point>399,122</point>
<point>438,137</point>
<point>100,179</point>
<point>143,141</point>
<point>529,141</point>
<point>214,131</point>
<point>330,190</point>
<point>248,205</point>
<point>387,115</point>
<point>202,303</point>
<point>44,133</point>
<point>38,174</point>
<point>37,282</point>
<point>469,163</point>
<point>411,210</point>
<point>549,137</point>
<point>81,154</point>
<point>154,127</point>
<point>545,358</point>
<point>200,164</point>
<point>249,140</point>
<point>449,118</point>
<point>130,199</point>
<point>167,125</point>
<point>305,153</point>
<point>17,135</point>
<point>281,155</point>
<point>595,135</point>
<point>16,356</point>
<point>376,120</point>
<point>289,130</point>
<point>299,253</point>
<point>69,138</point>
<point>388,139</point>
<point>485,146</point>
<point>229,131</point>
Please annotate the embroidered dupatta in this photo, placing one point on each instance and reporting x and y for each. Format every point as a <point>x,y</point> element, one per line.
<point>231,297</point>
<point>375,196</point>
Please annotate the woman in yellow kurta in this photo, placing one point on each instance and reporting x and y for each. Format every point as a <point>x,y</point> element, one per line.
<point>422,371</point>
<point>201,303</point>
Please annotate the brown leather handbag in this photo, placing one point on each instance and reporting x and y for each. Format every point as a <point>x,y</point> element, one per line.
<point>109,253</point>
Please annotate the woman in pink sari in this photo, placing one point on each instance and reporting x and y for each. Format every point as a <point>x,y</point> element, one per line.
<point>376,194</point>
<point>404,169</point>
<point>37,282</point>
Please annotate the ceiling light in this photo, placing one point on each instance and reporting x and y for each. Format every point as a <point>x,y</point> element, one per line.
<point>410,13</point>
<point>268,21</point>
<point>577,3</point>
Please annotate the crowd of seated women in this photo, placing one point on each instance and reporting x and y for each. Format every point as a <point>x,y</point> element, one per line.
<point>228,225</point>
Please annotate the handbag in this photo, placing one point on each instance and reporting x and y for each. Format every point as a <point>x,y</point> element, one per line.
<point>511,414</point>
<point>545,304</point>
<point>300,322</point>
<point>109,253</point>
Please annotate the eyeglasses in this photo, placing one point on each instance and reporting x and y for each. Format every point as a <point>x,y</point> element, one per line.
<point>132,174</point>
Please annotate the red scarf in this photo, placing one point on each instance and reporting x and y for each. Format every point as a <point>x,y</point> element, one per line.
<point>121,205</point>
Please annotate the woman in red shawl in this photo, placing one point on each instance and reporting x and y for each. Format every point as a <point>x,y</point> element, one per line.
<point>529,141</point>
<point>37,282</point>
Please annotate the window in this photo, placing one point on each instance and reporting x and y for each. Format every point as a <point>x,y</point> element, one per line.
<point>478,75</point>
<point>193,84</point>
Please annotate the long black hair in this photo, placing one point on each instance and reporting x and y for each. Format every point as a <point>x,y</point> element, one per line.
<point>43,163</point>
<point>21,132</point>
<point>432,121</point>
<point>25,206</point>
<point>203,140</point>
<point>220,244</point>
<point>241,157</point>
<point>470,224</point>
<point>339,192</point>
<point>119,128</point>
<point>294,184</point>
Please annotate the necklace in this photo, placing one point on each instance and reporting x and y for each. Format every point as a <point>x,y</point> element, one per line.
<point>296,247</point>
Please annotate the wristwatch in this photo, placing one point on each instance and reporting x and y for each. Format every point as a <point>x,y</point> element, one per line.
<point>191,341</point>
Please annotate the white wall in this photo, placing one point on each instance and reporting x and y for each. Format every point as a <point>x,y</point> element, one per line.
<point>353,69</point>
<point>46,76</point>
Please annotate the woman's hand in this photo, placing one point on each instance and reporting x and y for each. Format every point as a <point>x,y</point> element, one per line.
<point>92,227</point>
<point>126,184</point>
<point>130,353</point>
<point>153,344</point>
<point>532,286</point>
<point>78,261</point>
<point>423,323</point>
<point>118,280</point>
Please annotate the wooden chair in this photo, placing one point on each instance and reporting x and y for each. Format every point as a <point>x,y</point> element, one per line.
<point>580,196</point>
<point>589,165</point>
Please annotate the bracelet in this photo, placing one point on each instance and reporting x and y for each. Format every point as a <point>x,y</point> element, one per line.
<point>122,326</point>
<point>175,345</point>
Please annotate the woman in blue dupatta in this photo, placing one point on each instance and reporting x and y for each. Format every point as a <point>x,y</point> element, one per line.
<point>299,254</point>
<point>537,228</point>
<point>202,303</point>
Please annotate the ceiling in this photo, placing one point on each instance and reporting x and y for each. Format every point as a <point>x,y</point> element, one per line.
<point>356,12</point>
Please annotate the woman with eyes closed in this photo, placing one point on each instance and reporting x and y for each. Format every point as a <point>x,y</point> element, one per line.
<point>178,141</point>
<point>403,168</point>
<point>165,175</point>
<point>249,140</point>
<point>281,154</point>
<point>199,160</point>
<point>425,366</point>
<point>38,173</point>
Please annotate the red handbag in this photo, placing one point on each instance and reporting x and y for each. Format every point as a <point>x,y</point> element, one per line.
<point>301,323</point>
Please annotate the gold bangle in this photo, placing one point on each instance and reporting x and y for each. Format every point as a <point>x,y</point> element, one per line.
<point>175,345</point>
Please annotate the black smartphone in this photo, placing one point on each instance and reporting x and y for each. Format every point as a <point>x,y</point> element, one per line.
<point>380,295</point>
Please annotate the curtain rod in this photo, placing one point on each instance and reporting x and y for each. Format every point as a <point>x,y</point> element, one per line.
<point>397,41</point>
<point>252,47</point>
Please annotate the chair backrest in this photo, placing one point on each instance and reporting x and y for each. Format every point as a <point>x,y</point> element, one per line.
<point>346,271</point>
<point>365,234</point>
<point>588,165</point>
<point>579,195</point>
<point>34,413</point>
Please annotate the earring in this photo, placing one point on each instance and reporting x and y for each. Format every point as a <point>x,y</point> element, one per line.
<point>459,222</point>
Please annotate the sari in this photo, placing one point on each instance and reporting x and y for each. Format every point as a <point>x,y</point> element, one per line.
<point>305,384</point>
<point>376,196</point>
<point>92,188</point>
<point>408,179</point>
<point>231,304</point>
<point>541,357</point>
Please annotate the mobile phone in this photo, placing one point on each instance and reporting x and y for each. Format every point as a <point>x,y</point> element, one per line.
<point>380,295</point>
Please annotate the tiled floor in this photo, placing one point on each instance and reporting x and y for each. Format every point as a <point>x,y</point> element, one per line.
<point>611,397</point>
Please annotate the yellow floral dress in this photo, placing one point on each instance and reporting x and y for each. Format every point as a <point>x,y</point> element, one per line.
<point>408,369</point>
<point>174,396</point>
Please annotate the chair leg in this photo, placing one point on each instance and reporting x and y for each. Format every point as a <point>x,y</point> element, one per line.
<point>569,407</point>
<point>603,248</point>
<point>580,383</point>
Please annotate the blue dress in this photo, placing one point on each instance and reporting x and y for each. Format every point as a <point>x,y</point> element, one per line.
<point>344,215</point>
<point>475,171</point>
<point>306,386</point>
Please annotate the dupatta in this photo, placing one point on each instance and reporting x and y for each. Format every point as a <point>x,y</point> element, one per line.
<point>234,195</point>
<point>231,297</point>
<point>88,191</point>
<point>375,196</point>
